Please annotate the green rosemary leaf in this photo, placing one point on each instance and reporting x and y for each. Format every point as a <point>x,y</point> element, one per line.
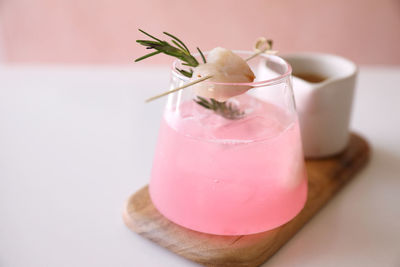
<point>177,39</point>
<point>201,100</point>
<point>202,55</point>
<point>185,73</point>
<point>151,36</point>
<point>178,45</point>
<point>148,43</point>
<point>202,104</point>
<point>148,55</point>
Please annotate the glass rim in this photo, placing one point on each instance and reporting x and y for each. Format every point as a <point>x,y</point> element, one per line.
<point>276,80</point>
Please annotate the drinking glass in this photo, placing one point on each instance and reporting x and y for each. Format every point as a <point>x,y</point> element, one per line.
<point>229,176</point>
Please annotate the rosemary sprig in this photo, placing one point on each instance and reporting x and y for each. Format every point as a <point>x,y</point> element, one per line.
<point>178,50</point>
<point>225,109</point>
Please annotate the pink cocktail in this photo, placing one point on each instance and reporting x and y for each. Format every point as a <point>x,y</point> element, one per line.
<point>232,177</point>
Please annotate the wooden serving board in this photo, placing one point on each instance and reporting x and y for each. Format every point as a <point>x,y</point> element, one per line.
<point>325,178</point>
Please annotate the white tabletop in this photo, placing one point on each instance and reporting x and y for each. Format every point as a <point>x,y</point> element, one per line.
<point>75,142</point>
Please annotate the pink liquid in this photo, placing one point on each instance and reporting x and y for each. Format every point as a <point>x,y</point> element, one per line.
<point>229,177</point>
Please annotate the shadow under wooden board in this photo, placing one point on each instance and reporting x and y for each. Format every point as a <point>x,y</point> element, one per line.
<point>325,178</point>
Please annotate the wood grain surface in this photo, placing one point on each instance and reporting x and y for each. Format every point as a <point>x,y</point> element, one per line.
<point>325,178</point>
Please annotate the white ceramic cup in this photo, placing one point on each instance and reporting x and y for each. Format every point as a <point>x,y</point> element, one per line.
<point>324,108</point>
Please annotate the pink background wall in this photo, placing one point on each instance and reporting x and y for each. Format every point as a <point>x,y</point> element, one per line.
<point>104,31</point>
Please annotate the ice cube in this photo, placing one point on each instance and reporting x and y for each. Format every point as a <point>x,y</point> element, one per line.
<point>249,128</point>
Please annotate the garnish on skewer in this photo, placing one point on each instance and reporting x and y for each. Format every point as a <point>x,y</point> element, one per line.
<point>223,66</point>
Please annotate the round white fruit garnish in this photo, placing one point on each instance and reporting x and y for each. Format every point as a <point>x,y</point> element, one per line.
<point>225,67</point>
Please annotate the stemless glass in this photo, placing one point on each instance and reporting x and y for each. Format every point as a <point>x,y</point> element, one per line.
<point>231,176</point>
